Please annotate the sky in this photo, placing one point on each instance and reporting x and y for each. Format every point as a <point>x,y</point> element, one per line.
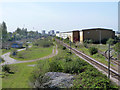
<point>59,16</point>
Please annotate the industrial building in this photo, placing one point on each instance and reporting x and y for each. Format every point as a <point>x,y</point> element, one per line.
<point>95,34</point>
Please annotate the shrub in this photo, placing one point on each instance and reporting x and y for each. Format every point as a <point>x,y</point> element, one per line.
<point>26,46</point>
<point>69,53</point>
<point>110,41</point>
<point>14,52</point>
<point>93,50</point>
<point>6,68</point>
<point>76,66</point>
<point>2,60</point>
<point>54,66</point>
<point>43,43</point>
<point>117,47</point>
<point>68,59</point>
<point>38,78</point>
<point>85,44</point>
<point>102,83</point>
<point>98,55</point>
<point>63,47</point>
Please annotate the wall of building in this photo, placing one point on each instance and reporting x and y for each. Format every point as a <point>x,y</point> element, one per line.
<point>64,35</point>
<point>76,36</point>
<point>95,34</point>
<point>81,36</point>
<point>98,34</point>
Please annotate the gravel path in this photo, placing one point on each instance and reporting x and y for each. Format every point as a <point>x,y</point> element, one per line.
<point>9,60</point>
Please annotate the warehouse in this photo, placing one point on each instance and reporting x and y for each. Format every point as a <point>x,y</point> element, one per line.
<point>73,36</point>
<point>97,35</point>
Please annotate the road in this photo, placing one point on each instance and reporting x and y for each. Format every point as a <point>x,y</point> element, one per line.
<point>9,60</point>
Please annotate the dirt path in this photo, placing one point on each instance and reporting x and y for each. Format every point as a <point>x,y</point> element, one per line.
<point>9,60</point>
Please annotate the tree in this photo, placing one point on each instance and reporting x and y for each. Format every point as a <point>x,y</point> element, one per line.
<point>110,41</point>
<point>26,46</point>
<point>14,52</point>
<point>117,49</point>
<point>4,32</point>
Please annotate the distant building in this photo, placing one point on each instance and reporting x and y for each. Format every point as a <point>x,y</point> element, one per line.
<point>48,32</point>
<point>52,32</point>
<point>96,34</point>
<point>43,32</point>
<point>117,33</point>
<point>57,32</point>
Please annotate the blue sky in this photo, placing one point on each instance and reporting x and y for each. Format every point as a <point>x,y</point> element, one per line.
<point>59,16</point>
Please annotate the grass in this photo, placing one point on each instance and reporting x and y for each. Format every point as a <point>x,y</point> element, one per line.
<point>20,78</point>
<point>6,51</point>
<point>102,47</point>
<point>33,53</point>
<point>0,78</point>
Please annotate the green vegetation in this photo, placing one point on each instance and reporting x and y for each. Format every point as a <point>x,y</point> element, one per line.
<point>20,76</point>
<point>86,75</point>
<point>40,49</point>
<point>91,78</point>
<point>6,68</point>
<point>33,53</point>
<point>2,60</point>
<point>110,41</point>
<point>5,50</point>
<point>96,56</point>
<point>18,34</point>
<point>14,52</point>
<point>117,47</point>
<point>93,50</point>
<point>43,43</point>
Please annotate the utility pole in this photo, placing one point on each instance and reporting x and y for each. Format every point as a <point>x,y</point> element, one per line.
<point>70,46</point>
<point>109,61</point>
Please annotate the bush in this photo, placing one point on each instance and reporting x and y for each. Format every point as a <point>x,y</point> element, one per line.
<point>92,79</point>
<point>117,47</point>
<point>63,47</point>
<point>110,41</point>
<point>2,60</point>
<point>14,52</point>
<point>6,68</point>
<point>76,66</point>
<point>85,44</point>
<point>43,43</point>
<point>54,66</point>
<point>68,59</point>
<point>93,50</point>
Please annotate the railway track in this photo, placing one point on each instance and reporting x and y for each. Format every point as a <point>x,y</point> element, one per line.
<point>117,62</point>
<point>115,74</point>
